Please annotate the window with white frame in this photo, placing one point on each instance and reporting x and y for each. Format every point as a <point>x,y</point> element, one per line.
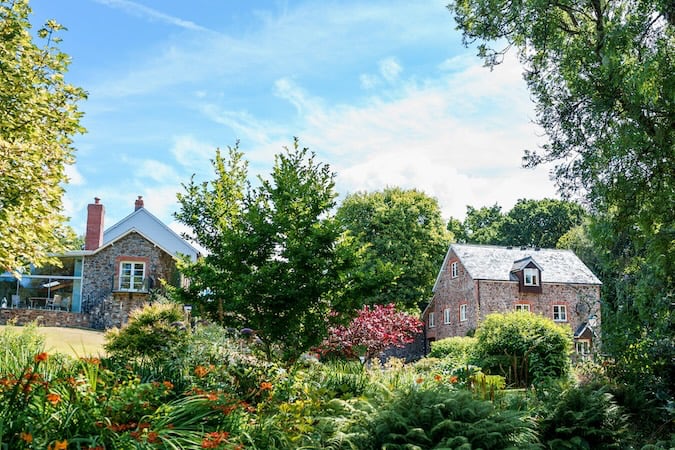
<point>560,313</point>
<point>531,277</point>
<point>131,276</point>
<point>431,320</point>
<point>523,307</point>
<point>446,315</point>
<point>462,313</point>
<point>453,269</point>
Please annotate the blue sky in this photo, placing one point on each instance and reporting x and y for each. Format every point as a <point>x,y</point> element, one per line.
<point>382,91</point>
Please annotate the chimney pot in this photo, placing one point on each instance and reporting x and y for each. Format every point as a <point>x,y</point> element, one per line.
<point>139,203</point>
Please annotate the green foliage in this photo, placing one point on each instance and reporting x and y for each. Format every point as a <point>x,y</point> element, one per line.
<point>38,117</point>
<point>150,332</point>
<point>458,349</point>
<point>602,75</point>
<point>525,348</point>
<point>440,417</point>
<point>584,416</point>
<point>277,261</point>
<point>536,223</point>
<point>404,239</point>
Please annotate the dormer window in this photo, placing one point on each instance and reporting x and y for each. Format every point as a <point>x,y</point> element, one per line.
<point>531,277</point>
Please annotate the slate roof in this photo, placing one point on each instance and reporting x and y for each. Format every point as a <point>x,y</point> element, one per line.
<point>489,262</point>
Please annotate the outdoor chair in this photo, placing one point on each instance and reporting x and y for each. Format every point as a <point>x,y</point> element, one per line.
<point>65,304</point>
<point>54,303</point>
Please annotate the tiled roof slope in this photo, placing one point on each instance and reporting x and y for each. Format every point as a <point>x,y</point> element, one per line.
<point>487,262</point>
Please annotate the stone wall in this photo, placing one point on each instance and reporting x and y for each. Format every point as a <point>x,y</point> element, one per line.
<point>115,309</point>
<point>101,270</point>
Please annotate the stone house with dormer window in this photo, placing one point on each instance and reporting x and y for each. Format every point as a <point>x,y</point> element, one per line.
<point>476,280</point>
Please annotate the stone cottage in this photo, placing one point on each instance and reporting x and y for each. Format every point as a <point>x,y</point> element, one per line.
<point>476,280</point>
<point>115,272</point>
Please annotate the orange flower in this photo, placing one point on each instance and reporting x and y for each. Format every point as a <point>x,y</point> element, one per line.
<point>265,386</point>
<point>214,439</point>
<point>419,380</point>
<point>437,377</point>
<point>453,379</point>
<point>201,371</point>
<point>168,385</point>
<point>153,437</point>
<point>26,437</point>
<point>41,357</point>
<point>53,398</point>
<point>58,445</point>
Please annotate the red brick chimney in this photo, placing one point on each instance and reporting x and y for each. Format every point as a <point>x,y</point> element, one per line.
<point>139,203</point>
<point>93,237</point>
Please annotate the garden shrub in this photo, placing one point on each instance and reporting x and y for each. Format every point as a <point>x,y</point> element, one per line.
<point>457,349</point>
<point>442,417</point>
<point>150,332</point>
<point>523,347</point>
<point>583,416</point>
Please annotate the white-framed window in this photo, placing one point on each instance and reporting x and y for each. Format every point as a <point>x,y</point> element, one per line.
<point>523,307</point>
<point>582,347</point>
<point>462,313</point>
<point>131,276</point>
<point>531,277</point>
<point>453,270</point>
<point>431,321</point>
<point>560,313</point>
<point>446,316</point>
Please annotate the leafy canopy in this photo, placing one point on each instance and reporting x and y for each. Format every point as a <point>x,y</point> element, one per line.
<point>38,117</point>
<point>602,75</point>
<point>535,223</point>
<point>404,238</point>
<point>276,259</point>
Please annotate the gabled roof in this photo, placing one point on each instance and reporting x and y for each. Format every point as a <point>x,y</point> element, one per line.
<point>490,262</point>
<point>152,229</point>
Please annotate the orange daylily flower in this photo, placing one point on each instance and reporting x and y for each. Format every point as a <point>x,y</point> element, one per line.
<point>53,398</point>
<point>41,357</point>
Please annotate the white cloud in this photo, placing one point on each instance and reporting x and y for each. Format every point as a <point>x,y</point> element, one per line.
<point>390,69</point>
<point>154,170</point>
<point>139,10</point>
<point>191,153</point>
<point>75,178</point>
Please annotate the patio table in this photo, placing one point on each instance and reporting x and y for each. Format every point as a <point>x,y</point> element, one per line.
<point>40,302</point>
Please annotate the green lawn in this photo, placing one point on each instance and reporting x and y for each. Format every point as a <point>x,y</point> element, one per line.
<point>72,341</point>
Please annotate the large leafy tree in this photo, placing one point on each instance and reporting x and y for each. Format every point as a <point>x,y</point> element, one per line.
<point>275,259</point>
<point>38,117</point>
<point>539,223</point>
<point>405,241</point>
<point>602,76</point>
